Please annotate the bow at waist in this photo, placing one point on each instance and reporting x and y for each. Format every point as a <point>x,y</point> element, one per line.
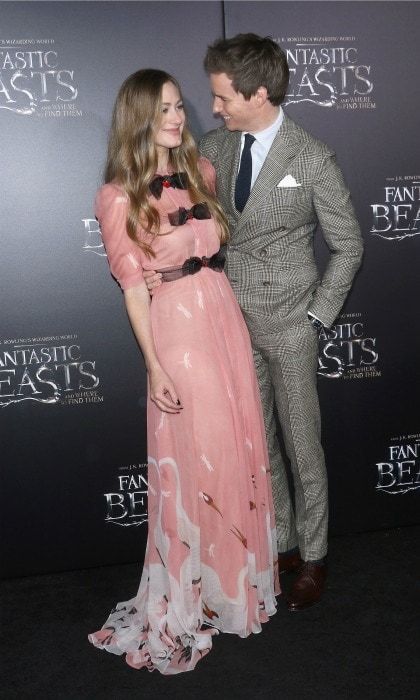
<point>192,265</point>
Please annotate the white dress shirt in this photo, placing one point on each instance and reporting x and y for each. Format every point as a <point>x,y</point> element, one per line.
<point>261,145</point>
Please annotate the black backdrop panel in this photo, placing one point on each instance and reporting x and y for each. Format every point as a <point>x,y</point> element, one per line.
<point>72,389</point>
<point>72,383</point>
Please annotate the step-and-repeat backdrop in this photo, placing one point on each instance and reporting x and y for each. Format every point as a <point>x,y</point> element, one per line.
<point>72,381</point>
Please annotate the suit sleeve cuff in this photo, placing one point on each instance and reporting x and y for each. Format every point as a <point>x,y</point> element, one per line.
<point>311,315</point>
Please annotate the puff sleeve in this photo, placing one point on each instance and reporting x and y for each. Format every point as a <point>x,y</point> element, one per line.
<point>124,256</point>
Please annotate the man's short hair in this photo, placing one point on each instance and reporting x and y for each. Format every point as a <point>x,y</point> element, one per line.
<point>250,61</point>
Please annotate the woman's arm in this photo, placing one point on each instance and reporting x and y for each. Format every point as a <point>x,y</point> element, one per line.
<point>125,262</point>
<point>162,390</point>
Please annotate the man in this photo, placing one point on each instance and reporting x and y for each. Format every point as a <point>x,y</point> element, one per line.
<point>276,183</point>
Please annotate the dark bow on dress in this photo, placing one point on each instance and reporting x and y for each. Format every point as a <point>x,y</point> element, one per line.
<point>178,180</point>
<point>193,265</point>
<point>198,211</point>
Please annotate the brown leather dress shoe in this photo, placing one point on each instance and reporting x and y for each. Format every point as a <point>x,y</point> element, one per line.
<point>289,562</point>
<point>308,586</point>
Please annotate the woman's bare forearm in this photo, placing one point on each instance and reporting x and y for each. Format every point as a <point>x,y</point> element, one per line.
<point>162,391</point>
<point>137,302</point>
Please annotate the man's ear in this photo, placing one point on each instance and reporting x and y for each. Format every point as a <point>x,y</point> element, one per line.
<point>261,96</point>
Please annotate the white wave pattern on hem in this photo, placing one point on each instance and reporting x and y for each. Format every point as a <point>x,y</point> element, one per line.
<point>162,627</point>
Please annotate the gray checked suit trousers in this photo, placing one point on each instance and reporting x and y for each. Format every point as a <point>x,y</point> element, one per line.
<point>272,270</point>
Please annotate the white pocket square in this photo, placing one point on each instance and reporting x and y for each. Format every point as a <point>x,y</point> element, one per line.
<point>289,181</point>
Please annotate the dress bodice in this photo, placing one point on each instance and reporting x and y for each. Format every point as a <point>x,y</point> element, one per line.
<point>172,246</point>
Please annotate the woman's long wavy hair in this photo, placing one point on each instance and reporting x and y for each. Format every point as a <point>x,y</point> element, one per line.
<point>132,159</point>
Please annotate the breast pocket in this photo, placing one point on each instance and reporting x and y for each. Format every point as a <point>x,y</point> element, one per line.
<point>288,207</point>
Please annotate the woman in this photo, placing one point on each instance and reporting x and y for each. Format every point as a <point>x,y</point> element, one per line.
<point>210,562</point>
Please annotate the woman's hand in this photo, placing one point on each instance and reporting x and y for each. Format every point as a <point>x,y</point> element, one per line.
<point>152,280</point>
<point>163,392</point>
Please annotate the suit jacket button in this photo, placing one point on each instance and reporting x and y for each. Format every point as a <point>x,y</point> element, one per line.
<point>263,252</point>
<point>266,283</point>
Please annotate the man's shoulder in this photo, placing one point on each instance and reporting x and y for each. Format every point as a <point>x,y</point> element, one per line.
<point>308,141</point>
<point>214,138</point>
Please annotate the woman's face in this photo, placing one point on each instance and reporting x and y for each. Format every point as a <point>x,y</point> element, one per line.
<point>172,119</point>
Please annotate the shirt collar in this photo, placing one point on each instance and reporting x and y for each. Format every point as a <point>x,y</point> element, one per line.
<point>267,135</point>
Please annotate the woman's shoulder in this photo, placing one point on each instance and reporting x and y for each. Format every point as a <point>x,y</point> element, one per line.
<point>109,194</point>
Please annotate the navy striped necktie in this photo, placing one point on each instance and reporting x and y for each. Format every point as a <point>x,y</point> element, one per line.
<point>243,181</point>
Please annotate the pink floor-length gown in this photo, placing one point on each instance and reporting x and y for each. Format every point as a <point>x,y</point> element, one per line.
<point>211,556</point>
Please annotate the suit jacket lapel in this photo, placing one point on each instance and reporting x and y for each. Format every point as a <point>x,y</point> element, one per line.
<point>233,158</point>
<point>284,149</point>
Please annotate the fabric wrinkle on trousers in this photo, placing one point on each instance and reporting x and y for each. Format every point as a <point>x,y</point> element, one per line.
<point>286,370</point>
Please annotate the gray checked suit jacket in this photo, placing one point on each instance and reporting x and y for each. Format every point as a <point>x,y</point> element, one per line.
<point>270,257</point>
<point>272,269</point>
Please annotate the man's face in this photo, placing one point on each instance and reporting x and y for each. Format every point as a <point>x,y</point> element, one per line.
<point>239,114</point>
